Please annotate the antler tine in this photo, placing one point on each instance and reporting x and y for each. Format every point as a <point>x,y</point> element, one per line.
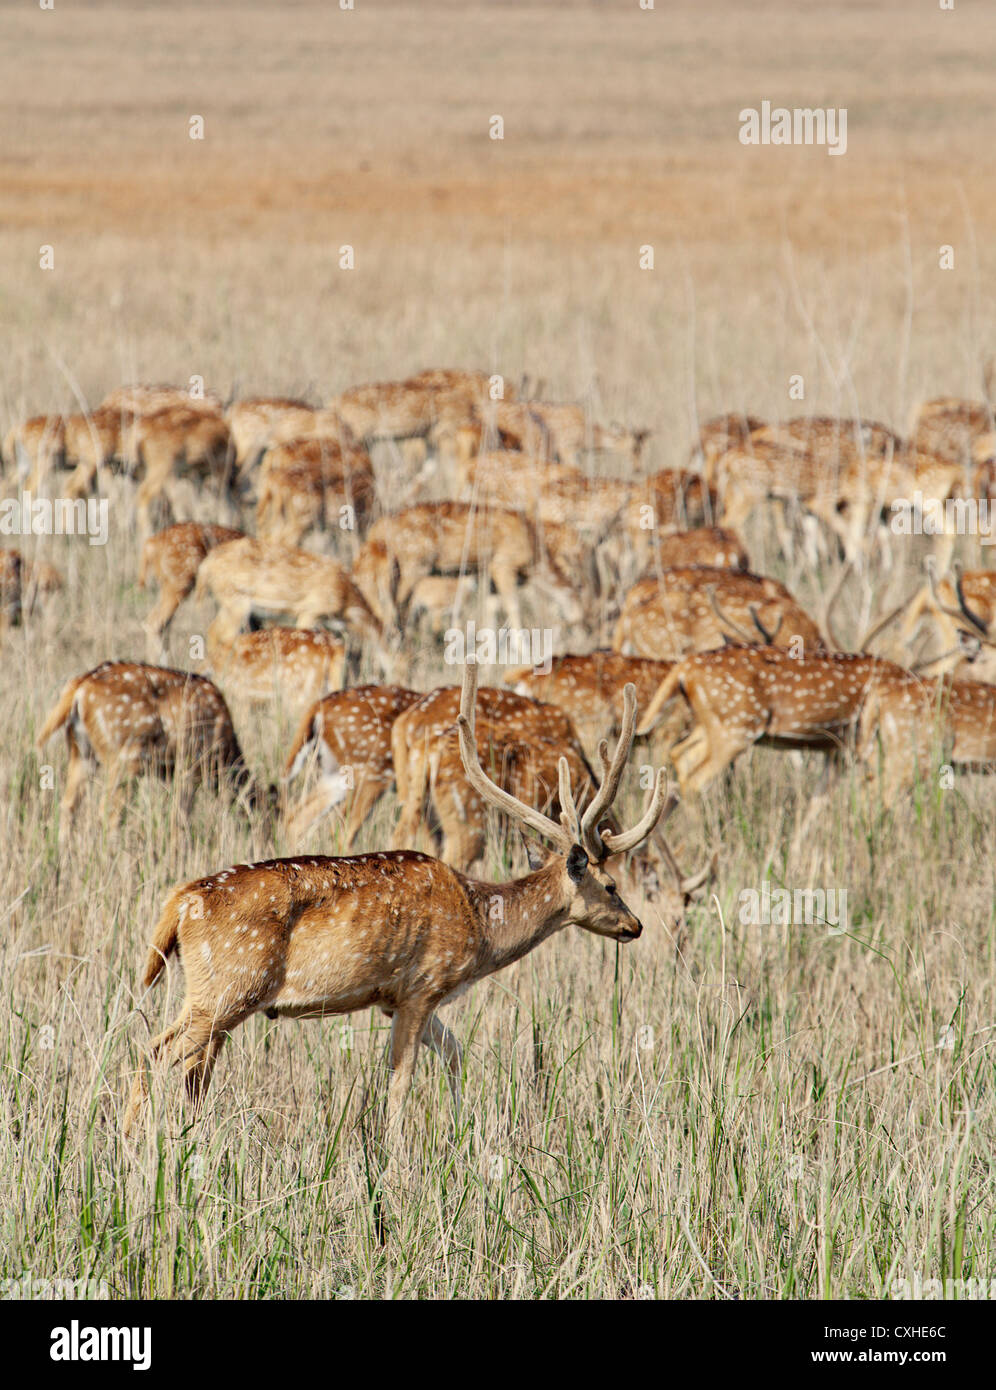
<point>568,806</point>
<point>482,783</point>
<point>769,637</point>
<point>725,617</point>
<point>973,618</point>
<point>662,803</point>
<point>611,776</point>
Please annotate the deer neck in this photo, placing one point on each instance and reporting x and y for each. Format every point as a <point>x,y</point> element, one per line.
<point>517,916</point>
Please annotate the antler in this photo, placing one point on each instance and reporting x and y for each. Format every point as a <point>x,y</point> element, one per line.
<point>573,829</point>
<point>596,845</point>
<point>962,611</point>
<point>725,618</point>
<point>490,791</point>
<point>738,631</point>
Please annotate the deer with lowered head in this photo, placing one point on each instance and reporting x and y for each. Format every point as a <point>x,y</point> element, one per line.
<point>399,930</point>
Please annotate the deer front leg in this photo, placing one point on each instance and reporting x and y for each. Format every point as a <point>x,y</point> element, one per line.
<point>157,623</point>
<point>505,578</point>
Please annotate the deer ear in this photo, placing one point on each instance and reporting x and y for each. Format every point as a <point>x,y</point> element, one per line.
<point>577,864</point>
<point>536,856</point>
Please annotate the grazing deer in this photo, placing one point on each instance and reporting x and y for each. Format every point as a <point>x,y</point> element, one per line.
<point>133,720</point>
<point>314,485</point>
<point>291,665</point>
<point>672,499</point>
<point>315,422</point>
<point>349,732</point>
<point>716,436</point>
<point>572,433</point>
<point>399,931</point>
<point>35,448</point>
<point>473,383</point>
<point>589,689</point>
<point>739,696</point>
<point>962,609</point>
<point>529,770</point>
<point>912,724</point>
<point>402,410</point>
<point>661,505</point>
<point>176,444</point>
<point>949,428</point>
<point>509,716</point>
<point>522,737</point>
<point>251,422</point>
<point>509,425</point>
<point>667,616</point>
<point>556,492</point>
<point>250,578</point>
<point>448,538</point>
<point>172,558</point>
<point>149,400</point>
<point>715,547</point>
<point>93,442</point>
<point>831,440</point>
<point>817,463</point>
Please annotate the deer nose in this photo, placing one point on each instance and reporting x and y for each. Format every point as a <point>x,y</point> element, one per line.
<point>632,929</point>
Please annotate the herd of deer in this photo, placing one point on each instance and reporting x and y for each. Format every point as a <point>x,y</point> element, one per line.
<point>346,543</point>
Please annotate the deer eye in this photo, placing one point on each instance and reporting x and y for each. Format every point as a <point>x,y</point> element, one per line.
<point>610,888</point>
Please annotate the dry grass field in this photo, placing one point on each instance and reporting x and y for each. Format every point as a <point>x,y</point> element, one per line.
<point>735,1111</point>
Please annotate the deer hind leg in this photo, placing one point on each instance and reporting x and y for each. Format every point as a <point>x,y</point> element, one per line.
<point>195,1041</point>
<point>416,777</point>
<point>690,752</point>
<point>198,1068</point>
<point>140,1087</point>
<point>80,769</point>
<point>463,841</point>
<point>438,1037</point>
<point>406,1035</point>
<point>368,792</point>
<point>152,493</point>
<point>718,760</point>
<point>707,752</point>
<point>81,480</point>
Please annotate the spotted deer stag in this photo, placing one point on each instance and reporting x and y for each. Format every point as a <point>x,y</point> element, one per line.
<point>133,720</point>
<point>398,931</point>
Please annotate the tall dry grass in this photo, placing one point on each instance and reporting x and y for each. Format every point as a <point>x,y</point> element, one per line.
<point>732,1111</point>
